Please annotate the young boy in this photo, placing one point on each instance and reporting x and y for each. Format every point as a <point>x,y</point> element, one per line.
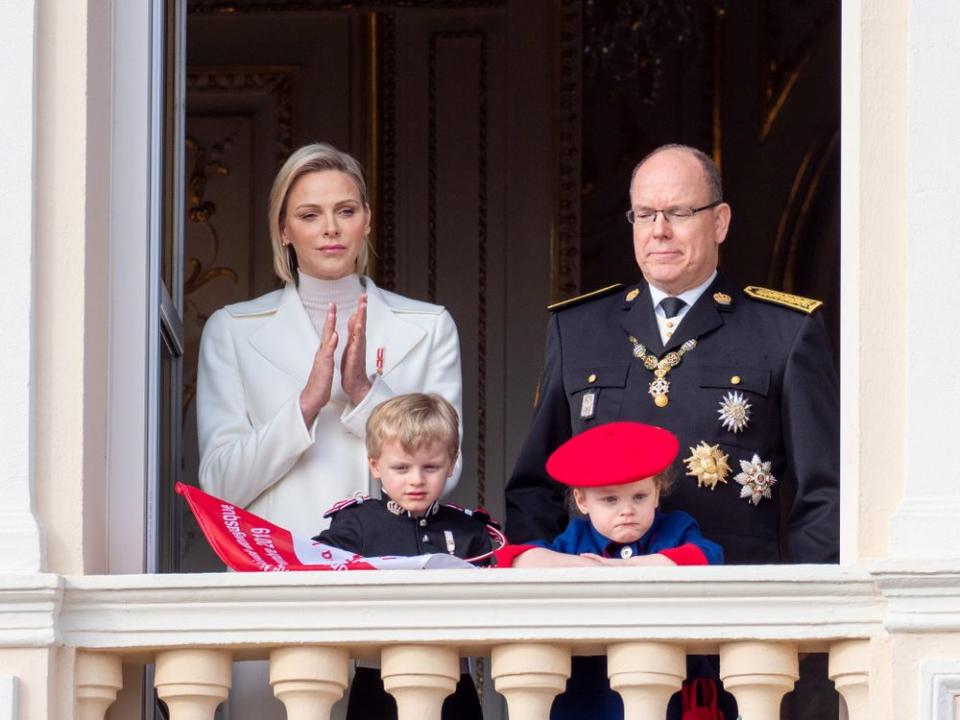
<point>618,472</point>
<point>412,446</point>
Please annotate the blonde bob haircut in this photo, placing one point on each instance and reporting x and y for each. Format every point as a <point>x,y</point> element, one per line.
<point>414,421</point>
<point>310,158</point>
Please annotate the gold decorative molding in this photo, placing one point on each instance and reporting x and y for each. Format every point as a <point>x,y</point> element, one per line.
<point>565,240</point>
<point>482,205</point>
<point>386,207</point>
<point>373,138</point>
<point>276,81</point>
<point>208,163</point>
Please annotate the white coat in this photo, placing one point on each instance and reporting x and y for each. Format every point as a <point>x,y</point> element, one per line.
<point>255,357</point>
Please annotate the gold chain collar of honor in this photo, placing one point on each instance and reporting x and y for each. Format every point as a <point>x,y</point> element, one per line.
<point>659,387</point>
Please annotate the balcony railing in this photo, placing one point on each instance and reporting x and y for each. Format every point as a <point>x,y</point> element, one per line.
<point>529,622</point>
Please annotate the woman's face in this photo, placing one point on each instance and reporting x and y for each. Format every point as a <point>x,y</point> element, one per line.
<point>326,222</point>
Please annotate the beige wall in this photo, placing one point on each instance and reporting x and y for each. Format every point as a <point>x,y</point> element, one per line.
<point>38,675</point>
<point>874,266</point>
<point>73,83</point>
<point>906,655</point>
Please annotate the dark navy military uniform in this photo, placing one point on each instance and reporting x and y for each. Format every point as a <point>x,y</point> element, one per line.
<point>777,357</point>
<point>375,528</point>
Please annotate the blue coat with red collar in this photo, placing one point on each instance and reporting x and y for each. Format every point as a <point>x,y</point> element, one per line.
<point>673,534</point>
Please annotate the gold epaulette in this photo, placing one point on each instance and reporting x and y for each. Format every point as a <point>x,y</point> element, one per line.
<point>564,304</point>
<point>795,302</point>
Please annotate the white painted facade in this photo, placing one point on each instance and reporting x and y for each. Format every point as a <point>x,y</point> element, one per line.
<point>79,122</point>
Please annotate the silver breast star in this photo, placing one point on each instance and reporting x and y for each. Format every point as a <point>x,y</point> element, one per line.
<point>756,479</point>
<point>734,411</point>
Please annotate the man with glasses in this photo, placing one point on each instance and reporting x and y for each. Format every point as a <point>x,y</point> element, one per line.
<point>744,378</point>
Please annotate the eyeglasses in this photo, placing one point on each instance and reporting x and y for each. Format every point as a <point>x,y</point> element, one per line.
<point>648,216</point>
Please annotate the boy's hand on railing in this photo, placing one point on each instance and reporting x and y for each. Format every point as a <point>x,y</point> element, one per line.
<point>655,559</point>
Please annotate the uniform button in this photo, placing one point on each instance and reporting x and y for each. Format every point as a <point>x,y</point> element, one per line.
<point>423,522</point>
<point>669,335</point>
<point>669,323</point>
<point>592,378</point>
<point>425,538</point>
<point>626,552</point>
<point>735,380</point>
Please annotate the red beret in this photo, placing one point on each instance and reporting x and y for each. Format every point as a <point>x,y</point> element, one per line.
<point>613,454</point>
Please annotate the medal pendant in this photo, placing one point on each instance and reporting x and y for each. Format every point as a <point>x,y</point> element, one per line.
<point>658,390</point>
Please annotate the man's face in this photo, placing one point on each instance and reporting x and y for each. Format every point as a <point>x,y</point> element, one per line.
<point>677,255</point>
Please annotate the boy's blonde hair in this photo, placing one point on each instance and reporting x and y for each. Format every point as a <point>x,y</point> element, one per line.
<point>413,421</point>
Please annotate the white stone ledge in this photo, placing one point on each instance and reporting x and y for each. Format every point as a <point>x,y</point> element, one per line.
<point>921,595</point>
<point>699,607</point>
<point>29,607</point>
<point>471,608</point>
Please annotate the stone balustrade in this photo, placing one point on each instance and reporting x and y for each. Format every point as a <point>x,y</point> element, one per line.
<point>527,622</point>
<point>309,680</point>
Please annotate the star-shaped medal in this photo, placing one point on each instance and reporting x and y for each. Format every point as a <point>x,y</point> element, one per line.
<point>734,411</point>
<point>708,464</point>
<point>756,479</point>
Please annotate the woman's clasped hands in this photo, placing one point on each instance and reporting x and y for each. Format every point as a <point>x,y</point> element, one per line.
<point>353,365</point>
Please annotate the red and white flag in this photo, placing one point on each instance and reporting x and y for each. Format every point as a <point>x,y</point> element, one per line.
<point>247,543</point>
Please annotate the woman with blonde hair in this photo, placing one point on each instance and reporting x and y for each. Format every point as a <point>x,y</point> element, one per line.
<point>287,380</point>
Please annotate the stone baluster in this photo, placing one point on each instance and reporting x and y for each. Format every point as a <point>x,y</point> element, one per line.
<point>419,677</point>
<point>530,676</point>
<point>759,674</point>
<point>849,668</point>
<point>646,674</point>
<point>193,682</point>
<point>309,680</point>
<point>99,679</point>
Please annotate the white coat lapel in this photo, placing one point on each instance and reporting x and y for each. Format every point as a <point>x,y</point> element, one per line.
<point>388,330</point>
<point>288,339</point>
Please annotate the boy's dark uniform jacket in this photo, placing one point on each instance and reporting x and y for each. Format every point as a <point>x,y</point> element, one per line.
<point>778,357</point>
<point>370,528</point>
